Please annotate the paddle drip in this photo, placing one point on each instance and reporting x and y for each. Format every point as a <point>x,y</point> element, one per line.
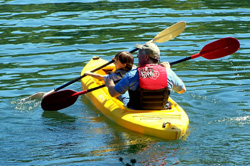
<point>25,105</point>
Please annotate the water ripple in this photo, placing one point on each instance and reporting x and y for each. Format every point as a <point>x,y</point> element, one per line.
<point>46,43</point>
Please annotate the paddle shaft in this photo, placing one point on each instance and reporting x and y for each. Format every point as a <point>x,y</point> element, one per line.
<point>181,60</point>
<point>88,90</point>
<point>186,58</point>
<point>91,89</point>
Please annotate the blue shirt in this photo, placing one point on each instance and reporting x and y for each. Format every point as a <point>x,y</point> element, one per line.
<point>116,76</point>
<point>131,81</point>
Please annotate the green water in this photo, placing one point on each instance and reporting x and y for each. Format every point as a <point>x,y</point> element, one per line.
<point>46,43</point>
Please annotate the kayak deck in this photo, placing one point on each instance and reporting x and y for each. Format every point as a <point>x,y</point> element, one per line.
<point>170,124</point>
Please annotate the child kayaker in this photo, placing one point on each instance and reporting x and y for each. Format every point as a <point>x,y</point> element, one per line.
<point>123,63</point>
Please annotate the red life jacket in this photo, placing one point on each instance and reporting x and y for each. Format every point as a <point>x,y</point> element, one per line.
<point>153,89</point>
<point>152,77</point>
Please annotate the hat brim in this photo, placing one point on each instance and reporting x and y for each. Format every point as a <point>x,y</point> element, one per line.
<point>139,46</point>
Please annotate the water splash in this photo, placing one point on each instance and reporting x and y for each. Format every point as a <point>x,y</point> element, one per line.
<point>205,98</point>
<point>25,105</point>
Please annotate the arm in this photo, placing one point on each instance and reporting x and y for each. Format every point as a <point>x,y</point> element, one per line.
<point>111,87</point>
<point>178,84</point>
<point>98,76</point>
<point>183,89</point>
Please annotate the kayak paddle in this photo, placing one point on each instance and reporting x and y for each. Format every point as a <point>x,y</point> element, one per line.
<point>165,35</point>
<point>65,98</point>
<point>62,99</point>
<point>216,49</point>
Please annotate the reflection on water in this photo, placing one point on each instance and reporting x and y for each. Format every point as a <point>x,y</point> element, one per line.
<point>58,116</point>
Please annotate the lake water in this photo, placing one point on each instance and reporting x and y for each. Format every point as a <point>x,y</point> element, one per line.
<point>46,43</point>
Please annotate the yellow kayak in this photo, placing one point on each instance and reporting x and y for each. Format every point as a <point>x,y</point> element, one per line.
<point>169,124</point>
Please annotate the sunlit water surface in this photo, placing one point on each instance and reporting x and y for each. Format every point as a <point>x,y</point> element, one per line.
<point>46,43</point>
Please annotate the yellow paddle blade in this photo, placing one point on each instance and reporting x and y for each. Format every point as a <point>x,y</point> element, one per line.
<point>170,33</point>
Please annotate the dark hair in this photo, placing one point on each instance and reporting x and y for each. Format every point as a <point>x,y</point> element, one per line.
<point>125,57</point>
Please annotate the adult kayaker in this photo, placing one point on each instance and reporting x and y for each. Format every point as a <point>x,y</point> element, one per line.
<point>123,63</point>
<point>149,85</point>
